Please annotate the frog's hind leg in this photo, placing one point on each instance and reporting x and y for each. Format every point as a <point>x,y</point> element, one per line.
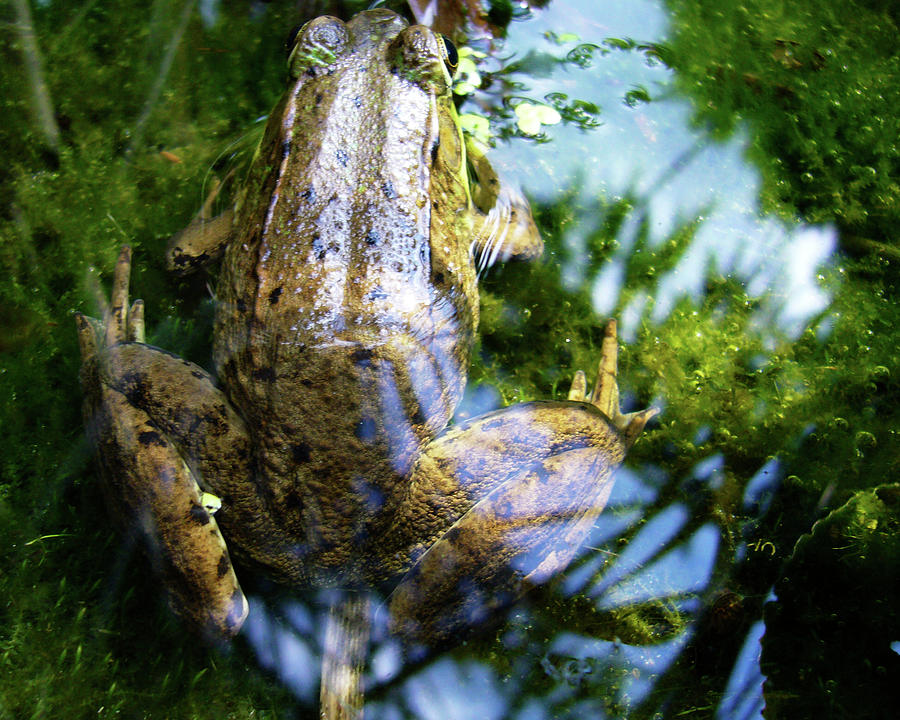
<point>505,501</point>
<point>149,477</point>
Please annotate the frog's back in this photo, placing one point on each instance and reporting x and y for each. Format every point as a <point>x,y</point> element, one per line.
<point>347,302</point>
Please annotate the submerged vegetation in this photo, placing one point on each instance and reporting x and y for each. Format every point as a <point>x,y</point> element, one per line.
<point>763,433</point>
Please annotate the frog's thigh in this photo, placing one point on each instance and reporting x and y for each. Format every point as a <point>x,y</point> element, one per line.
<point>197,417</point>
<point>160,426</point>
<point>150,488</point>
<point>519,490</point>
<point>183,401</point>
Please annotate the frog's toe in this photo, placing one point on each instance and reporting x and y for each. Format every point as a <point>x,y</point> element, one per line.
<point>632,424</point>
<point>578,391</point>
<point>123,323</point>
<point>605,395</point>
<point>135,330</point>
<point>88,331</point>
<point>120,323</point>
<point>117,315</point>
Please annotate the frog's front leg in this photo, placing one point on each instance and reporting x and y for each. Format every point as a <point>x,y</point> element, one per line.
<point>203,240</point>
<point>158,424</point>
<point>507,499</point>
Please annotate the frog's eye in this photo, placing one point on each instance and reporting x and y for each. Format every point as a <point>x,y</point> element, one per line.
<point>291,39</point>
<point>449,54</point>
<point>315,44</point>
<point>423,57</point>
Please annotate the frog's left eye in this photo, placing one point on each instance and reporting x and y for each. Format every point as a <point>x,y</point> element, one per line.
<point>291,39</point>
<point>316,45</point>
<point>449,54</point>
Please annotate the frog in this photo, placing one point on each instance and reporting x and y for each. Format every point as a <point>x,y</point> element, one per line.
<point>320,451</point>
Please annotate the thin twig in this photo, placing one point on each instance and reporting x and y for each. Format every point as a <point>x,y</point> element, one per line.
<point>161,76</point>
<point>41,105</point>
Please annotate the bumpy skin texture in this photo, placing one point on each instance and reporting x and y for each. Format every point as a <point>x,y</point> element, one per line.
<point>347,310</point>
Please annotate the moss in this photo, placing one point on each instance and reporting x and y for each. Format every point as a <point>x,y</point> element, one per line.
<point>818,85</point>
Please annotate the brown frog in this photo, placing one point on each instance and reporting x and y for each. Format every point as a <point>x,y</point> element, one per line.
<point>347,309</point>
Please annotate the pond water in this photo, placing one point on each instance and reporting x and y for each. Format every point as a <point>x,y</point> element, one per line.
<point>722,180</point>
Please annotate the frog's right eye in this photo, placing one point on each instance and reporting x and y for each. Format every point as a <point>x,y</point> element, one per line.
<point>315,45</point>
<point>450,54</point>
<point>423,57</point>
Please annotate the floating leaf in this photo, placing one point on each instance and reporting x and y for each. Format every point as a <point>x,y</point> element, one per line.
<point>561,38</point>
<point>476,125</point>
<point>531,117</point>
<point>467,78</point>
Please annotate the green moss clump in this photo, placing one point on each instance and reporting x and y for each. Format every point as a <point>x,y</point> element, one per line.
<point>818,85</point>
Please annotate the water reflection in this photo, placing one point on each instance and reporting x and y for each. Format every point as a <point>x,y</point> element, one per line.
<point>673,171</point>
<point>743,696</point>
<point>289,649</point>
